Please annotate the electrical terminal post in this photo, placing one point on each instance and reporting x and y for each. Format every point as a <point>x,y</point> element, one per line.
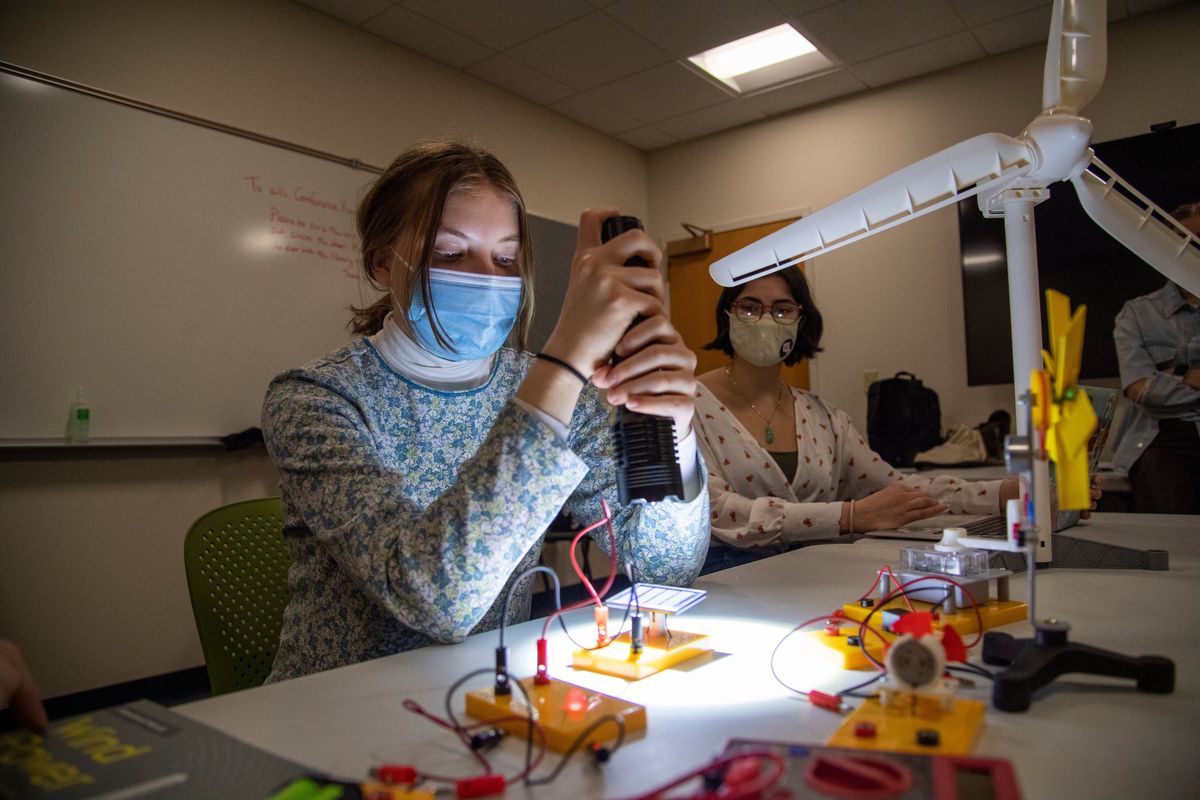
<point>542,676</point>
<point>502,681</point>
<point>601,614</point>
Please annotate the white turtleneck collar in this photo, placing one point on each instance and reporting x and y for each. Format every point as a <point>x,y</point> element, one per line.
<point>419,365</point>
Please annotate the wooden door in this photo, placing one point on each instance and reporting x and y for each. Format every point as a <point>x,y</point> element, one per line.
<point>694,298</point>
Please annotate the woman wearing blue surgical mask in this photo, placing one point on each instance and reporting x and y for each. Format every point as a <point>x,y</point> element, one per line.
<point>422,463</point>
<point>785,468</point>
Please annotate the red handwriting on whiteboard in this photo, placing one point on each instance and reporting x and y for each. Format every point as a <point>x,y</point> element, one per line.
<point>295,233</point>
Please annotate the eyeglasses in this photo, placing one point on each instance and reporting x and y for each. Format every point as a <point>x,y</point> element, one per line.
<point>783,312</point>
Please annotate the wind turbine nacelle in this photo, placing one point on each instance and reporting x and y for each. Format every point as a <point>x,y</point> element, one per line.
<point>1060,145</point>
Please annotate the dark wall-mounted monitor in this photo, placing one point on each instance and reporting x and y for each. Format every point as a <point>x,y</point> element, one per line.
<point>1075,256</point>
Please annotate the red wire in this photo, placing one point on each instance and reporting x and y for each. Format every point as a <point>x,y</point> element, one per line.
<point>417,708</point>
<point>786,636</point>
<point>612,575</point>
<point>874,583</point>
<point>462,731</point>
<point>574,563</point>
<point>751,789</point>
<point>896,582</point>
<point>974,605</point>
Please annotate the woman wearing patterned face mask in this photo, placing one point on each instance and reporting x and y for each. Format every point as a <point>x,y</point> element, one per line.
<point>784,467</point>
<point>422,463</point>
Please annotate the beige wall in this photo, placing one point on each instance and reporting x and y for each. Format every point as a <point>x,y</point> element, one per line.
<point>280,68</point>
<point>894,301</point>
<point>91,568</point>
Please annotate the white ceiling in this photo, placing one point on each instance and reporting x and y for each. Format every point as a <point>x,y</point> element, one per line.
<point>620,66</point>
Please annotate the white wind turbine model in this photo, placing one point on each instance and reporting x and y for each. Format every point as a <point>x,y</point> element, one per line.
<point>1010,176</point>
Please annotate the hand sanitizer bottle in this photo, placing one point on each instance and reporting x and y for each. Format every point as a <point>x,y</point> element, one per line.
<point>79,420</point>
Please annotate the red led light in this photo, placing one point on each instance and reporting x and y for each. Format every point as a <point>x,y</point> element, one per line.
<point>576,702</point>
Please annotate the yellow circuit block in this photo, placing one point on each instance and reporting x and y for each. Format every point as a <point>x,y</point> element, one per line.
<point>563,710</point>
<point>994,614</point>
<point>658,653</point>
<point>851,654</point>
<point>897,726</point>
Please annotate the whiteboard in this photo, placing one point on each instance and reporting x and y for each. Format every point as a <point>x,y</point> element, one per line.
<point>167,269</point>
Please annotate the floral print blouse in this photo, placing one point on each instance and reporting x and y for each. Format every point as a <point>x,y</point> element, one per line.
<point>755,505</point>
<point>409,511</point>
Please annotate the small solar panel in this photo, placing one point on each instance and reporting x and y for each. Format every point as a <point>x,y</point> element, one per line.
<point>660,599</point>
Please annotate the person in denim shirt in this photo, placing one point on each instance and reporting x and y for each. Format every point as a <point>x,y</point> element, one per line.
<point>1158,347</point>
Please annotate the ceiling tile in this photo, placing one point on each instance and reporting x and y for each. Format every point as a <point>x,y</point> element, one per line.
<point>977,12</point>
<point>806,92</point>
<point>589,51</point>
<point>356,12</point>
<point>619,66</point>
<point>796,8</point>
<point>596,114</point>
<point>857,30</point>
<point>920,59</point>
<point>648,138</point>
<point>687,27</point>
<point>427,37</point>
<point>1015,32</point>
<point>710,120</point>
<point>500,23</point>
<point>520,79</point>
<point>660,92</point>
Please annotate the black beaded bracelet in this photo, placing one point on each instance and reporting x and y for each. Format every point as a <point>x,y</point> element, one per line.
<point>547,357</point>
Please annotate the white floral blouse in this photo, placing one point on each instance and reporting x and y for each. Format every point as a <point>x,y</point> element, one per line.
<point>408,510</point>
<point>754,505</point>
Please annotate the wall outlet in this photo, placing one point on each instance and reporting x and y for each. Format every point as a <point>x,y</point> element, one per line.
<point>869,377</point>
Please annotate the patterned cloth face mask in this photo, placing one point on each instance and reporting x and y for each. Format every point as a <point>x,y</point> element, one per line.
<point>475,312</point>
<point>762,342</point>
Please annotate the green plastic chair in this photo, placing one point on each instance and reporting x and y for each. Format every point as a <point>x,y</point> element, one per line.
<point>237,565</point>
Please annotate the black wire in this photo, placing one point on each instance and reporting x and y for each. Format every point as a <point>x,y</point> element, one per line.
<point>575,745</point>
<point>850,692</point>
<point>574,748</point>
<point>557,605</point>
<point>862,637</point>
<point>458,725</point>
<point>629,573</point>
<point>620,630</point>
<point>512,586</point>
<point>971,669</point>
<point>779,644</point>
<point>637,604</point>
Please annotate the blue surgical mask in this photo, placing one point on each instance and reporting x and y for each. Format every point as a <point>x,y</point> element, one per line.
<point>475,312</point>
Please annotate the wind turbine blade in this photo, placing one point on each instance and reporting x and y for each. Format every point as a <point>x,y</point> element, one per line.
<point>943,178</point>
<point>1134,221</point>
<point>1076,54</point>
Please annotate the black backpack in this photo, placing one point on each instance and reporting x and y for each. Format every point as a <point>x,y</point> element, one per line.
<point>903,418</point>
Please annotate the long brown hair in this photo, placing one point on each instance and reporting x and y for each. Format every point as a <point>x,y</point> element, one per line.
<point>398,222</point>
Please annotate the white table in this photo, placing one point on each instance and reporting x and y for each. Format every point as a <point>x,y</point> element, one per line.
<point>1084,737</point>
